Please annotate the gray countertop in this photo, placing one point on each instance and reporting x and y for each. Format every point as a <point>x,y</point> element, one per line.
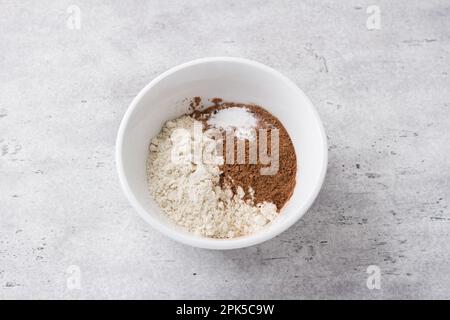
<point>382,90</point>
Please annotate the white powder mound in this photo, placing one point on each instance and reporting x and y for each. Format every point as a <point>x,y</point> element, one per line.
<point>190,194</point>
<point>240,119</point>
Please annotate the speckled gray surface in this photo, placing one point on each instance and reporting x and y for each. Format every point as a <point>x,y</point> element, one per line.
<point>383,96</point>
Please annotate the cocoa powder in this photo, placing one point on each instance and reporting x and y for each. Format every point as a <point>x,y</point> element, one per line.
<point>195,103</point>
<point>276,188</point>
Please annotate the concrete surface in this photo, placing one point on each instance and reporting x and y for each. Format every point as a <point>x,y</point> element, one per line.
<point>66,229</point>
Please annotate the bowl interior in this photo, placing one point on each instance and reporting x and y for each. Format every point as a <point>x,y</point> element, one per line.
<point>234,80</point>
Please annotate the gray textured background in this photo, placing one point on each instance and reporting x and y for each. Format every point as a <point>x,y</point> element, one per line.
<point>383,96</point>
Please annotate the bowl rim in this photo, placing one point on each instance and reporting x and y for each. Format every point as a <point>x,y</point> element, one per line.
<point>192,239</point>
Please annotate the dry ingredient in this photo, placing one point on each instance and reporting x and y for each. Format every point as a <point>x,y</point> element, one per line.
<point>240,120</point>
<point>190,193</point>
<point>277,188</point>
<point>215,198</point>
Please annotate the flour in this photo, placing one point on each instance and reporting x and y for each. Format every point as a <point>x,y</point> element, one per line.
<point>188,191</point>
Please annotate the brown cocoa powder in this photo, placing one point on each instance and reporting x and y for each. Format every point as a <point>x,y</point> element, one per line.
<point>277,188</point>
<point>195,103</point>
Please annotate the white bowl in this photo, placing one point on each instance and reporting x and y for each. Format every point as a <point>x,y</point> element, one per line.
<point>236,80</point>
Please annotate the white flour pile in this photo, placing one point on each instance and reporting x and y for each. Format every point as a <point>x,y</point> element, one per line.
<point>190,194</point>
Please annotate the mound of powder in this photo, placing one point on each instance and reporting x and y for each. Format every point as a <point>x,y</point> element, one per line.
<point>241,120</point>
<point>190,193</point>
<point>276,188</point>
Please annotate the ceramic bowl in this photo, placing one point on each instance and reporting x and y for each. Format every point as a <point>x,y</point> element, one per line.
<point>236,80</point>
